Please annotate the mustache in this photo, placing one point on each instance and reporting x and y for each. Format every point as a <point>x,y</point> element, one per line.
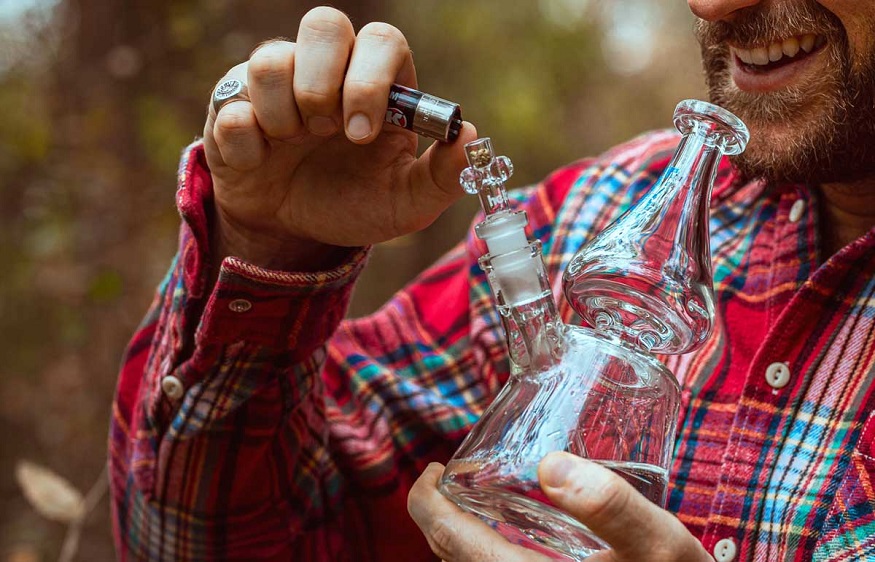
<point>763,25</point>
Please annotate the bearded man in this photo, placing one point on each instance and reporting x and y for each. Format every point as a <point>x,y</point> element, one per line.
<point>252,423</point>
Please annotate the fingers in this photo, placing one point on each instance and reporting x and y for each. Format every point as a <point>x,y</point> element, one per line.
<point>325,41</point>
<point>328,81</point>
<point>380,57</point>
<point>607,504</point>
<point>234,132</point>
<point>271,69</point>
<point>454,534</point>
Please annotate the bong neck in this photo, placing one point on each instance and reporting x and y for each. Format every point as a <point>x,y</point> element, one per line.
<point>696,159</point>
<point>687,182</point>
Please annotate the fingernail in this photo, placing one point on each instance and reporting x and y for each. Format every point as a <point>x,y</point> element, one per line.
<point>359,126</point>
<point>322,126</point>
<point>555,469</point>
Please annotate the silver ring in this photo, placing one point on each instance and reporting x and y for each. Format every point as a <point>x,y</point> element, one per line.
<point>229,90</point>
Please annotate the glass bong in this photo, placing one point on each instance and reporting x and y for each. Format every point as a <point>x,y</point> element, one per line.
<point>644,287</point>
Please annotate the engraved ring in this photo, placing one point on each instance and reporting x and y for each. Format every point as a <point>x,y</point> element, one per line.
<point>229,90</point>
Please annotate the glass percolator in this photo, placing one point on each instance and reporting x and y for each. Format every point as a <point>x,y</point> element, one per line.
<point>644,287</point>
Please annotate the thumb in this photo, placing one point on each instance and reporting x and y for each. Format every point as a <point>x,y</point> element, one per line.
<point>434,176</point>
<point>600,499</point>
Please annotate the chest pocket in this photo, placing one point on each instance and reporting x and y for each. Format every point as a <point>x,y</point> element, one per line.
<point>849,530</point>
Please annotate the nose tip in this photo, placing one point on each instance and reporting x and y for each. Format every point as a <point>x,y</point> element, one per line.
<point>715,10</point>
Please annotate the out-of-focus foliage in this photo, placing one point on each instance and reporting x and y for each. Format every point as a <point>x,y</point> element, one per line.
<point>98,98</point>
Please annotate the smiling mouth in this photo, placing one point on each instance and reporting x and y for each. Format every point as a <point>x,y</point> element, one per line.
<point>766,58</point>
<point>780,65</point>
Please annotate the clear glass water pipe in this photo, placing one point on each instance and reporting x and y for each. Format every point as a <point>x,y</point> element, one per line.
<point>644,286</point>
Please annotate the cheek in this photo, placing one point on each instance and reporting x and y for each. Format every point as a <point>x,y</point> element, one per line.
<point>858,19</point>
<point>838,7</point>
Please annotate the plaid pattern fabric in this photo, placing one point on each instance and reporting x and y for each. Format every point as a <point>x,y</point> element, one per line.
<point>299,434</point>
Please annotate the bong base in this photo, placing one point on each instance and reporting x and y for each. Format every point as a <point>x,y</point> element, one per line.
<point>523,515</point>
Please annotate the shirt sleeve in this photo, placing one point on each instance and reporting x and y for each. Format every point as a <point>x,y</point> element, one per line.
<point>250,422</point>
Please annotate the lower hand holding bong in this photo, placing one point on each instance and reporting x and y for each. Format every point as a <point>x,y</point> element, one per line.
<point>636,529</point>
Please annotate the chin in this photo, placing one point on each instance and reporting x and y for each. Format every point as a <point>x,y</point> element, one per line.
<point>789,143</point>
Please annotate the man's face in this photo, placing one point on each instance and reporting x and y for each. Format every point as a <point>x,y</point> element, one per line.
<point>801,74</point>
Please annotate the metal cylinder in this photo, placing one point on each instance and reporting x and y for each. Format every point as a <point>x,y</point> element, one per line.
<point>424,114</point>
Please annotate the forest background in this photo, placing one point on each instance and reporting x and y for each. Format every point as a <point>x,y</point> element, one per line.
<point>98,97</point>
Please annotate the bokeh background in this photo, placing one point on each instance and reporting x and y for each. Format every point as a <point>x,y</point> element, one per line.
<point>97,98</point>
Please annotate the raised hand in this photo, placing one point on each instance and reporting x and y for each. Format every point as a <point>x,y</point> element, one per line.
<point>306,165</point>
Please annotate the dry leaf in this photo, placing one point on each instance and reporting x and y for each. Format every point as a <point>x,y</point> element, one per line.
<point>51,495</point>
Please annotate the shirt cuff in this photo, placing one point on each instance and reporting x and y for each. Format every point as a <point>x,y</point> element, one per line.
<point>292,311</point>
<point>281,310</point>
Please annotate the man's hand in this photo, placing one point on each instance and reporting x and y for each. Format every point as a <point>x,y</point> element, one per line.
<point>635,528</point>
<point>307,164</point>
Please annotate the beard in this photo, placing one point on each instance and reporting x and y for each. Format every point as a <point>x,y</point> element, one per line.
<point>814,132</point>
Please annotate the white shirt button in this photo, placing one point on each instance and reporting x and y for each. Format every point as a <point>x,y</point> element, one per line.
<point>172,387</point>
<point>797,210</point>
<point>725,550</point>
<point>778,375</point>
<point>239,305</point>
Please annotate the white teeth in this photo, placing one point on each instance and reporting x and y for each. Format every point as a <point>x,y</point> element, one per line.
<point>776,51</point>
<point>745,56</point>
<point>760,55</point>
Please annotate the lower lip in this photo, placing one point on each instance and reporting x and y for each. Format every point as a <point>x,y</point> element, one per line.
<point>764,82</point>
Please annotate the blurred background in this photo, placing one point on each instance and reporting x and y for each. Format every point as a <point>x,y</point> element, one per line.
<point>97,99</point>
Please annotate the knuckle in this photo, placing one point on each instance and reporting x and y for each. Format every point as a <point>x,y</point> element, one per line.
<point>232,123</point>
<point>384,33</point>
<point>271,64</point>
<point>443,537</point>
<point>325,23</point>
<point>314,98</point>
<point>270,43</point>
<point>613,500</point>
<point>362,90</point>
<point>381,31</point>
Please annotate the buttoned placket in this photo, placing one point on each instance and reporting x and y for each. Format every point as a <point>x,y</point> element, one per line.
<point>768,377</point>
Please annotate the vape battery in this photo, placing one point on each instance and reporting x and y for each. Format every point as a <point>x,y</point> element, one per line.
<point>424,114</point>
